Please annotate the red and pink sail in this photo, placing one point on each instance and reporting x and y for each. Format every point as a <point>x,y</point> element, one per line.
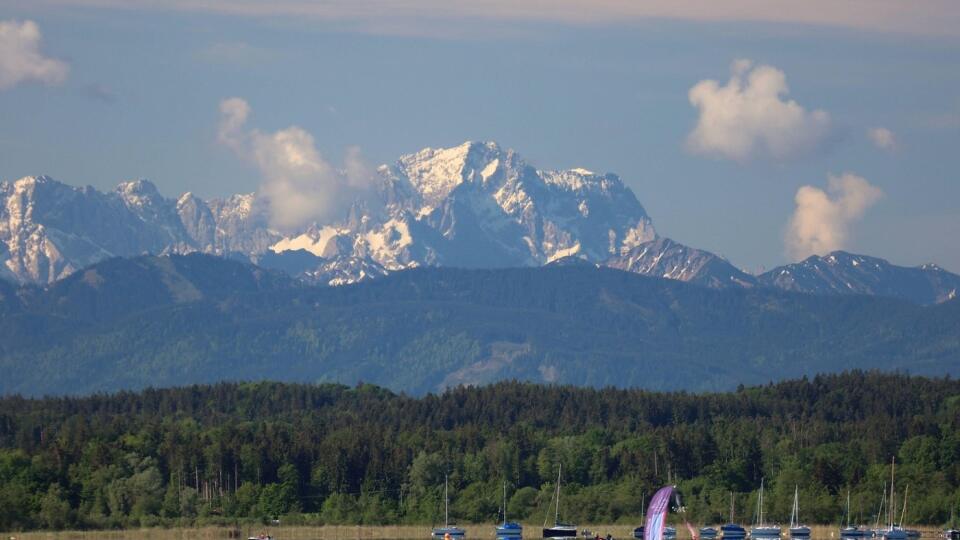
<point>657,514</point>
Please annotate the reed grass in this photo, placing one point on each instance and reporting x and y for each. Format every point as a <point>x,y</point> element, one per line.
<point>356,532</point>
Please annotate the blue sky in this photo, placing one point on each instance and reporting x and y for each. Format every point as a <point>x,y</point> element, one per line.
<point>142,93</point>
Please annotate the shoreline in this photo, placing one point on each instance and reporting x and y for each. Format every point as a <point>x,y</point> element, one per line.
<point>353,532</point>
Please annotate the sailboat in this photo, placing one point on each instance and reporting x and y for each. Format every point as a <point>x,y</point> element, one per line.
<point>761,529</point>
<point>877,531</point>
<point>638,532</point>
<point>732,531</point>
<point>911,533</point>
<point>508,530</point>
<point>455,533</point>
<point>559,530</point>
<point>894,532</point>
<point>796,529</point>
<point>852,531</point>
<point>951,532</point>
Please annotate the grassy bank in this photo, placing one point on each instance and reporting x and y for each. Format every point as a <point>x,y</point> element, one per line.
<point>348,532</point>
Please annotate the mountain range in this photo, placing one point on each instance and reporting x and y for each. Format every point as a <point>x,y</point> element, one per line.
<point>127,323</point>
<point>476,205</point>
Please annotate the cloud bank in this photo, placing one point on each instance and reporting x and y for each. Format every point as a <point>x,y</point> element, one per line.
<point>749,116</point>
<point>927,17</point>
<point>20,57</point>
<point>298,185</point>
<point>821,221</point>
<point>882,138</point>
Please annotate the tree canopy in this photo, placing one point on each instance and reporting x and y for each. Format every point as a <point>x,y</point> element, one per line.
<point>337,454</point>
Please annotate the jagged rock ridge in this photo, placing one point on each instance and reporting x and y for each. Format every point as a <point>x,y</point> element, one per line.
<point>475,205</point>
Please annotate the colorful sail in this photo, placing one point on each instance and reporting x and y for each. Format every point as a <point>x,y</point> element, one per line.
<point>657,514</point>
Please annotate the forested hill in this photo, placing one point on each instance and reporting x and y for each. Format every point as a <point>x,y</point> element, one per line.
<point>333,454</point>
<point>132,323</point>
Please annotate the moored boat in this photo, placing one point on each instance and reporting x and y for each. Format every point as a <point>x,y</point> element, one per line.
<point>761,529</point>
<point>708,533</point>
<point>732,531</point>
<point>893,531</point>
<point>508,530</point>
<point>951,532</point>
<point>447,532</point>
<point>853,531</point>
<point>559,530</point>
<point>765,531</point>
<point>796,529</point>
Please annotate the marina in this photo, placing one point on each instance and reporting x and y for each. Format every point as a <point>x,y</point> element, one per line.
<point>365,532</point>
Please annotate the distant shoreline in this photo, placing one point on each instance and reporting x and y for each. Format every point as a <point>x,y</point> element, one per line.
<point>357,532</point>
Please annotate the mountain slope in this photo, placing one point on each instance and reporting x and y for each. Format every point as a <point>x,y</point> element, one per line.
<point>846,273</point>
<point>425,329</point>
<point>474,205</point>
<point>117,287</point>
<point>50,229</point>
<point>668,259</point>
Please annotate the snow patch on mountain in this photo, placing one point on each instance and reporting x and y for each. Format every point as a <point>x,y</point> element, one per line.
<point>475,205</point>
<point>840,272</point>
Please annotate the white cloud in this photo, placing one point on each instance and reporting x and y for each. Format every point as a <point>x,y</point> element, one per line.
<point>749,116</point>
<point>821,221</point>
<point>882,138</point>
<point>298,185</point>
<point>20,57</point>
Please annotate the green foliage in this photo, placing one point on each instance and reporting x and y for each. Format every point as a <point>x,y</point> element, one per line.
<point>332,454</point>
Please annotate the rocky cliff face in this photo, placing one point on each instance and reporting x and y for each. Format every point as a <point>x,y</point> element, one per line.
<point>475,205</point>
<point>846,273</point>
<point>51,229</point>
<point>668,259</point>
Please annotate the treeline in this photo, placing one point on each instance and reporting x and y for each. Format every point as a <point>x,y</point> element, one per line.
<point>334,454</point>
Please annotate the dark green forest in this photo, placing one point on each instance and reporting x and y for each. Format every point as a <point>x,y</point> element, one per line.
<point>235,452</point>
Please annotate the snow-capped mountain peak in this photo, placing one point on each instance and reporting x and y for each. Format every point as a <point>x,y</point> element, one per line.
<point>473,205</point>
<point>841,272</point>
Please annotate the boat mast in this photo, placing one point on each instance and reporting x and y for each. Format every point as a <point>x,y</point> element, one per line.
<point>903,515</point>
<point>446,503</point>
<point>504,502</point>
<point>556,515</point>
<point>876,524</point>
<point>848,507</point>
<point>731,507</point>
<point>760,504</point>
<point>795,509</point>
<point>890,507</point>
